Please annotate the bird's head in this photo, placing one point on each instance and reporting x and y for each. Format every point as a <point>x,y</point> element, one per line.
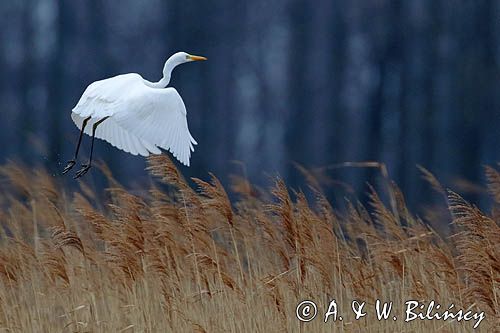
<point>182,57</point>
<point>190,57</point>
<point>177,59</point>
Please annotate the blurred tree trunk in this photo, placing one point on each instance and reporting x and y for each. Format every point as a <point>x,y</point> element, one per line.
<point>27,84</point>
<point>336,135</point>
<point>481,82</point>
<point>491,119</point>
<point>445,152</point>
<point>57,83</point>
<point>297,135</point>
<point>320,76</point>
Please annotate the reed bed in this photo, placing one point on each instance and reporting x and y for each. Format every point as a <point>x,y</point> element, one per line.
<point>184,259</point>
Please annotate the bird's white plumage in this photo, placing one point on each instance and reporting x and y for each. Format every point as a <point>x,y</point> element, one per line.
<point>117,136</point>
<point>141,117</point>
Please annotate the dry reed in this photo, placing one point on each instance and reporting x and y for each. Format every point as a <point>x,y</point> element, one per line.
<point>185,260</point>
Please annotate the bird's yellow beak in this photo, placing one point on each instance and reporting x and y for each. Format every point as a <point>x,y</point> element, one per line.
<point>196,58</point>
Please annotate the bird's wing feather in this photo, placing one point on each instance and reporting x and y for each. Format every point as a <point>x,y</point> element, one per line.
<point>105,97</point>
<point>141,118</point>
<point>158,116</point>
<point>111,132</point>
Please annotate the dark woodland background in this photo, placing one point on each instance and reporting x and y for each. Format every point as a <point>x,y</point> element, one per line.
<point>312,82</point>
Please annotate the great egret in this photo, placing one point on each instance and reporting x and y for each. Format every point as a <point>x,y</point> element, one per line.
<point>135,115</point>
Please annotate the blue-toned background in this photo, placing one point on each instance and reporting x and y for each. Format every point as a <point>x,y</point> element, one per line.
<point>315,82</point>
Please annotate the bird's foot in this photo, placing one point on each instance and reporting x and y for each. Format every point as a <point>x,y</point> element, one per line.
<point>69,166</point>
<point>82,171</point>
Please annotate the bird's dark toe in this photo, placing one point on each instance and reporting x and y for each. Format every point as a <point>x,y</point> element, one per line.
<point>69,166</point>
<point>85,168</point>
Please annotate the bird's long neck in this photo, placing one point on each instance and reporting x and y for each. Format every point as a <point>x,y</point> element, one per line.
<point>160,84</point>
<point>167,72</point>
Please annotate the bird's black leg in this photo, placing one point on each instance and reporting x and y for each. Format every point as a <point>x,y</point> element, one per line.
<point>86,167</point>
<point>72,162</point>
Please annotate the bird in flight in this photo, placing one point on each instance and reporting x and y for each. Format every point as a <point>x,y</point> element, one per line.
<point>135,115</point>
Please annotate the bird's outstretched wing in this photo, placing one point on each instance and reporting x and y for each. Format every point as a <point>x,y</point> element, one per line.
<point>118,137</point>
<point>140,118</point>
<point>158,116</point>
<point>103,99</point>
<point>106,97</point>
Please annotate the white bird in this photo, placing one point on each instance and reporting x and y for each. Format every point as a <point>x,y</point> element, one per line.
<point>135,115</point>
